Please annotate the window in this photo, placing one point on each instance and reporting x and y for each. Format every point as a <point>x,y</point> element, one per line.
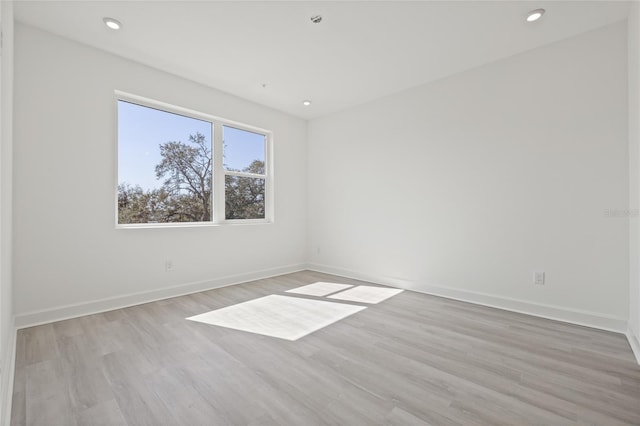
<point>177,166</point>
<point>244,173</point>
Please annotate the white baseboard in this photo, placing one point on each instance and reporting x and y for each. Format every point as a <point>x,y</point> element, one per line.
<point>634,341</point>
<point>31,319</point>
<point>558,313</point>
<point>6,379</point>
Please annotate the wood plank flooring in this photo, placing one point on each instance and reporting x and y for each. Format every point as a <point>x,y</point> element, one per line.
<point>413,359</point>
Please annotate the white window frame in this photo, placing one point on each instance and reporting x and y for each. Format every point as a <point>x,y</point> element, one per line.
<point>224,172</point>
<point>218,173</point>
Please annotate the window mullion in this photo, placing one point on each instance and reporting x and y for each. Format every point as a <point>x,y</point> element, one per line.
<point>218,174</point>
<point>244,174</point>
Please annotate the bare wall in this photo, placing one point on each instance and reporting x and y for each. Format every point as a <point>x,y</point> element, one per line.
<point>7,332</point>
<point>67,250</point>
<point>466,186</point>
<point>634,177</point>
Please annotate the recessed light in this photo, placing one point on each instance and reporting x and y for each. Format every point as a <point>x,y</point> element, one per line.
<point>114,24</point>
<point>534,15</point>
<point>306,103</point>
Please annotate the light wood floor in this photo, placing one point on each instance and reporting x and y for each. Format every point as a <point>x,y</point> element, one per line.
<point>410,360</point>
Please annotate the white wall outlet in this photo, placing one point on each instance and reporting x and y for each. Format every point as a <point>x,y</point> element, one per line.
<point>168,266</point>
<point>538,278</point>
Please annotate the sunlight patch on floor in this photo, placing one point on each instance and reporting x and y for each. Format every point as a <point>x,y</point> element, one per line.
<point>366,294</point>
<point>319,289</point>
<point>284,317</point>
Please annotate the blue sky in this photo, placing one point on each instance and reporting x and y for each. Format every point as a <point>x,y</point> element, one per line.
<point>242,147</point>
<point>141,130</point>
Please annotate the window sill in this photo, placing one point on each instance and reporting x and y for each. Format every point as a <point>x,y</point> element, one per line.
<point>236,222</point>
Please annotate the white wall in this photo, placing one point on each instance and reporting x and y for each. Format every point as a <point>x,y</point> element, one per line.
<point>465,186</point>
<point>634,176</point>
<point>6,274</point>
<point>462,187</point>
<point>66,248</point>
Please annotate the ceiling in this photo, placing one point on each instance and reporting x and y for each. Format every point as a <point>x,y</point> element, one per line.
<point>271,53</point>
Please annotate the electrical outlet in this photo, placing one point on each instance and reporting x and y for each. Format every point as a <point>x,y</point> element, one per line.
<point>168,266</point>
<point>538,278</point>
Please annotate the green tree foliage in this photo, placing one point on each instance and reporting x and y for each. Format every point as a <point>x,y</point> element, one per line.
<point>187,173</point>
<point>185,196</point>
<point>244,196</point>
